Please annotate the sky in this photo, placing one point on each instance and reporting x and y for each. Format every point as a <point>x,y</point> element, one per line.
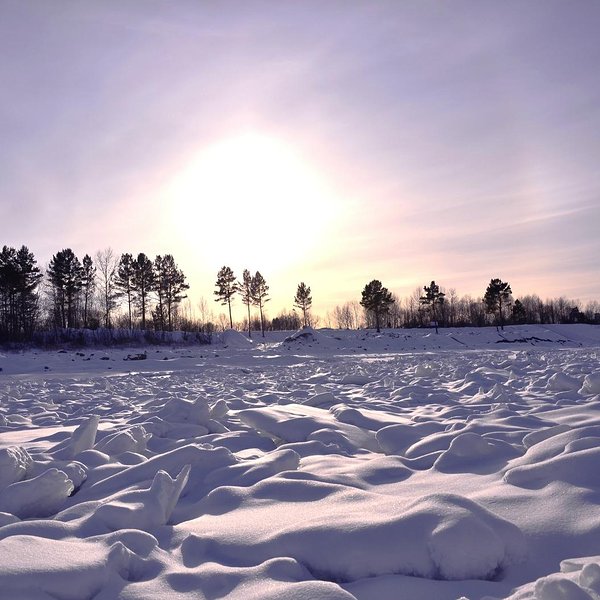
<point>327,142</point>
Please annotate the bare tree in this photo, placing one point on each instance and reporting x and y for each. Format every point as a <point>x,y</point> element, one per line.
<point>107,263</point>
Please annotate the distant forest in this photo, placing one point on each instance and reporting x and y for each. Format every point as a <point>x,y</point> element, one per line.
<point>111,293</point>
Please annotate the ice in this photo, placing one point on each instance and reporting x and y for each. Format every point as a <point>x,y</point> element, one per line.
<point>133,439</point>
<point>14,464</point>
<point>41,496</point>
<point>333,465</point>
<point>84,436</point>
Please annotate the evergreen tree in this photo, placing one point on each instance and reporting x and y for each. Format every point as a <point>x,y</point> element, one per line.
<point>28,279</point>
<point>497,297</point>
<point>169,286</point>
<point>377,299</point>
<point>124,281</point>
<point>88,284</point>
<point>65,274</point>
<point>245,290</point>
<point>432,299</point>
<point>227,287</point>
<point>8,292</point>
<point>19,279</point>
<point>519,315</point>
<point>303,300</point>
<point>260,293</point>
<point>142,283</point>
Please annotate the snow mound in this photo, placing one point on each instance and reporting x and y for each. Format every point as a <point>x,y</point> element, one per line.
<point>579,579</point>
<point>65,570</point>
<point>234,339</point>
<point>577,465</point>
<point>41,496</point>
<point>472,452</point>
<point>306,335</point>
<point>343,535</point>
<point>591,384</point>
<point>561,382</point>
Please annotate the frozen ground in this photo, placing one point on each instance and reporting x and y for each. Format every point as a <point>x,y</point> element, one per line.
<point>329,465</point>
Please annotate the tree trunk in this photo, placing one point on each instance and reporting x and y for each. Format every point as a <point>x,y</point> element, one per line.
<point>262,320</point>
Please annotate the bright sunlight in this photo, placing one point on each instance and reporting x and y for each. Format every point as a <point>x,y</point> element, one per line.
<point>251,202</point>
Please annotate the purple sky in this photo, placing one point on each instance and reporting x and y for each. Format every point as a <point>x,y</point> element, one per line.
<point>455,141</point>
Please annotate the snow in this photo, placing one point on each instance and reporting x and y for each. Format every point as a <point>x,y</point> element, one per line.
<point>325,464</point>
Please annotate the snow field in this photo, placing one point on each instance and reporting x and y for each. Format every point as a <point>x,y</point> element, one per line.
<point>306,468</point>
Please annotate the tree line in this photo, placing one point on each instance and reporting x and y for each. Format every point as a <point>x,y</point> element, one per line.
<point>130,291</point>
<point>254,291</point>
<point>431,306</point>
<point>87,293</point>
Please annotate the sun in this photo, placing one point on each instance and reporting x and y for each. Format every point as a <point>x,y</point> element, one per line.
<point>251,201</point>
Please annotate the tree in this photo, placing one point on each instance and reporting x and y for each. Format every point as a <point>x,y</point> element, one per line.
<point>245,290</point>
<point>433,298</point>
<point>124,281</point>
<point>19,279</point>
<point>260,292</point>
<point>519,315</point>
<point>169,285</point>
<point>227,287</point>
<point>107,268</point>
<point>142,283</point>
<point>497,297</point>
<point>376,299</point>
<point>66,278</point>
<point>303,299</point>
<point>88,283</point>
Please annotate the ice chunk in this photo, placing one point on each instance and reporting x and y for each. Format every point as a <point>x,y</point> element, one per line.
<point>133,439</point>
<point>41,496</point>
<point>15,462</point>
<point>143,509</point>
<point>84,436</point>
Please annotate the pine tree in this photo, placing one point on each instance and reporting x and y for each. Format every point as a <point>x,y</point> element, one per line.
<point>303,300</point>
<point>19,279</point>
<point>28,279</point>
<point>519,314</point>
<point>227,287</point>
<point>260,292</point>
<point>497,297</point>
<point>245,290</point>
<point>65,274</point>
<point>433,298</point>
<point>124,281</point>
<point>8,292</point>
<point>169,285</point>
<point>88,285</point>
<point>377,299</point>
<point>142,283</point>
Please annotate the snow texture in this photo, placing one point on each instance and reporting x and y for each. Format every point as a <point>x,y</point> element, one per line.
<point>324,464</point>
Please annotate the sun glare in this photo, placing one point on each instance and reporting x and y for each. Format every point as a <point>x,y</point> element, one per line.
<point>252,202</point>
